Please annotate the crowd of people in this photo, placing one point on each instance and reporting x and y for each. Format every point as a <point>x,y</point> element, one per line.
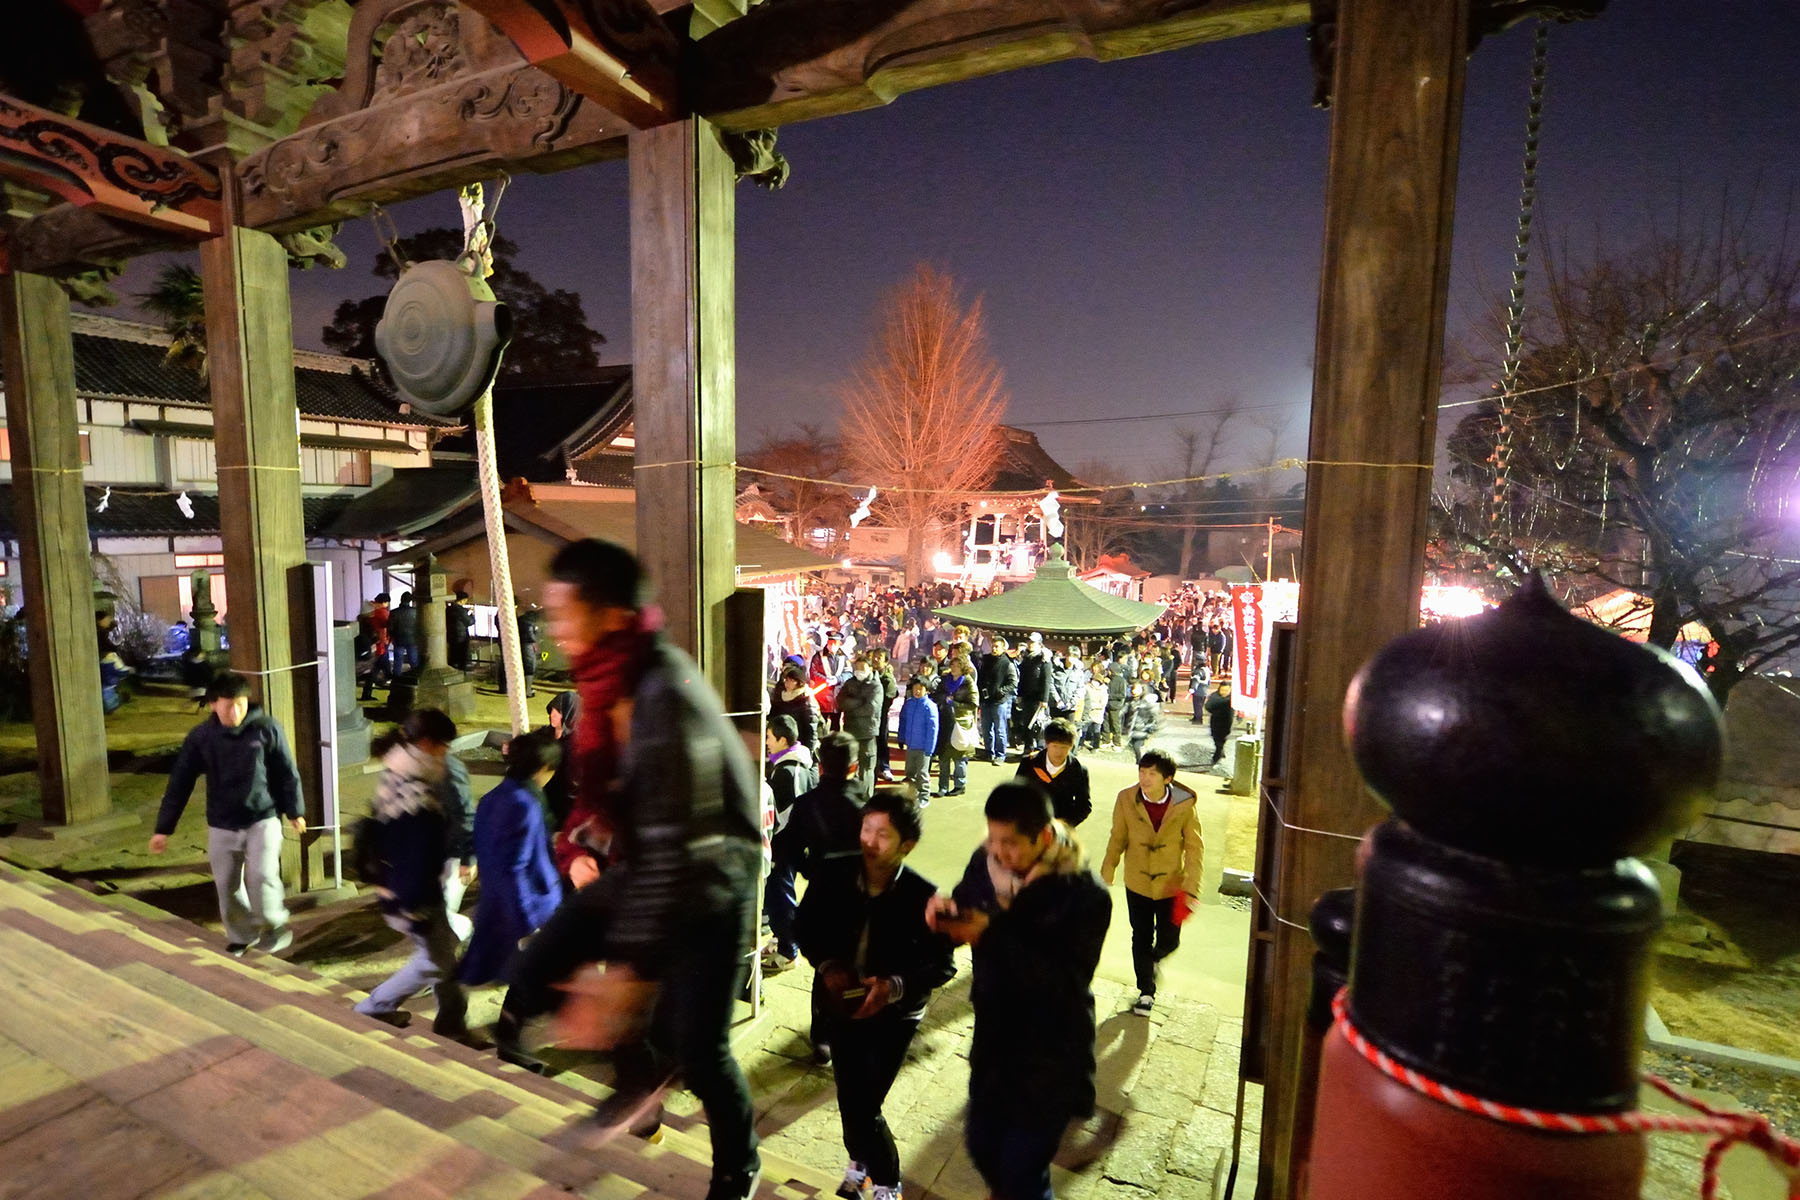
<point>967,694</point>
<point>619,857</point>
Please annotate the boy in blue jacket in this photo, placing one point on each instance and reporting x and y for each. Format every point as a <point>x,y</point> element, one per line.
<point>252,785</point>
<point>919,736</point>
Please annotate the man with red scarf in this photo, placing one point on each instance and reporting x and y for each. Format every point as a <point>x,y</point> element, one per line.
<point>670,805</point>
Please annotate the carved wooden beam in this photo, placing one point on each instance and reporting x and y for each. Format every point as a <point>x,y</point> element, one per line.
<point>434,96</point>
<point>616,52</point>
<point>115,175</point>
<point>801,59</point>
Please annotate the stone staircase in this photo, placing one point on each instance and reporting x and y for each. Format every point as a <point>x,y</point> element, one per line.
<point>137,1059</point>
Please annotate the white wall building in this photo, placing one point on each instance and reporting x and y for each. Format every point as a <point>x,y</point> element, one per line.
<point>147,439</point>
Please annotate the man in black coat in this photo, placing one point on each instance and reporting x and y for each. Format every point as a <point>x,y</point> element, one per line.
<point>1035,915</point>
<point>672,913</point>
<point>1219,714</point>
<point>862,926</point>
<point>1034,692</point>
<point>1059,773</point>
<point>997,679</point>
<point>825,822</point>
<point>458,620</point>
<point>790,774</point>
<point>403,631</point>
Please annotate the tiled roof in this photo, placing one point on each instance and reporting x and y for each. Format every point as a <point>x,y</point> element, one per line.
<point>1054,602</point>
<point>536,426</point>
<point>414,499</point>
<point>156,514</point>
<point>123,360</point>
<point>1026,467</point>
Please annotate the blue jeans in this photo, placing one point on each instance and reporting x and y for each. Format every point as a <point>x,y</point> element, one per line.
<point>780,904</point>
<point>994,721</point>
<point>432,965</point>
<point>1013,1151</point>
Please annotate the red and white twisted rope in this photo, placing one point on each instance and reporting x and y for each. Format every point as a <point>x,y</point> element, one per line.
<point>1727,1129</point>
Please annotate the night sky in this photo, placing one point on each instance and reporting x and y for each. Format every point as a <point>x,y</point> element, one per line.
<point>1146,233</point>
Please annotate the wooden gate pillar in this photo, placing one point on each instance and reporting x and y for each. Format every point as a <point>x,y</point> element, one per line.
<point>250,357</point>
<point>51,513</point>
<point>1390,194</point>
<point>684,379</point>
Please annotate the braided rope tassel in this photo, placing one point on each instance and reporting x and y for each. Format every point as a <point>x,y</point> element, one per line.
<point>1727,1129</point>
<point>1499,511</point>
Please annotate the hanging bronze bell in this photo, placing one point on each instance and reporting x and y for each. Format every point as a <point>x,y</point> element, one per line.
<point>441,336</point>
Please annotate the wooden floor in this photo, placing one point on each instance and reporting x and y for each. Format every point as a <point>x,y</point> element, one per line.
<point>137,1059</point>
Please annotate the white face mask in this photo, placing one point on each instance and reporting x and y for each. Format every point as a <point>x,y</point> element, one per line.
<point>862,672</point>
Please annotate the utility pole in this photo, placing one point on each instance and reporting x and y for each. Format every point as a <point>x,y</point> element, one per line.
<point>1269,557</point>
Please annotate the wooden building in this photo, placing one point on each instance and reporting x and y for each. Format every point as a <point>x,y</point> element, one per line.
<point>146,441</point>
<point>252,127</point>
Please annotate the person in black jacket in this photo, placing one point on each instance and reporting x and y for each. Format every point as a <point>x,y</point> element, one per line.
<point>859,704</point>
<point>1034,692</point>
<point>826,822</point>
<point>862,926</point>
<point>1035,915</point>
<point>1219,716</point>
<point>824,825</point>
<point>458,620</point>
<point>997,679</point>
<point>251,781</point>
<point>564,713</point>
<point>671,914</point>
<point>409,844</point>
<point>791,774</point>
<point>791,697</point>
<point>1056,770</point>
<point>403,630</point>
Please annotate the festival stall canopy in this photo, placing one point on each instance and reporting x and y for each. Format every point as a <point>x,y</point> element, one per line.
<point>1054,603</point>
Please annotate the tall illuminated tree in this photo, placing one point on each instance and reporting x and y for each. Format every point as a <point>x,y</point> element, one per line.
<point>922,413</point>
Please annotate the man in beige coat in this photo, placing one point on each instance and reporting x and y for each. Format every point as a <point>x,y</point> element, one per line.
<point>1156,831</point>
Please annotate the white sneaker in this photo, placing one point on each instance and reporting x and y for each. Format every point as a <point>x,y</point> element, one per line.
<point>1145,1002</point>
<point>884,1193</point>
<point>855,1175</point>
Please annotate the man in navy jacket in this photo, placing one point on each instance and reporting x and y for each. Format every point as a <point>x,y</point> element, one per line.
<point>251,786</point>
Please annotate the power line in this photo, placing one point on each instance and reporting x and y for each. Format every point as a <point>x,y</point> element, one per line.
<point>1198,412</point>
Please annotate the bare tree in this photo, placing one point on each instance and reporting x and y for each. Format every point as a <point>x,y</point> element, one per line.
<point>922,414</point>
<point>1200,447</point>
<point>1092,530</point>
<point>1653,441</point>
<point>794,467</point>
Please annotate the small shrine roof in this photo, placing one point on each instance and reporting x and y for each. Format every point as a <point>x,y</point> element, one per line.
<point>1054,602</point>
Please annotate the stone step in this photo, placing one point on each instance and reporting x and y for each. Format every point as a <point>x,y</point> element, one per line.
<point>162,985</point>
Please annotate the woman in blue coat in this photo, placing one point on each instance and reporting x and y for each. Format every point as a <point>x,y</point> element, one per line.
<point>519,884</point>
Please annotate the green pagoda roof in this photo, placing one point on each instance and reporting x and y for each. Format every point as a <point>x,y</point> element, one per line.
<point>1053,601</point>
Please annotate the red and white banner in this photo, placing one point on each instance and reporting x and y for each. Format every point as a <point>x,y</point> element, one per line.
<point>1254,610</point>
<point>1248,672</point>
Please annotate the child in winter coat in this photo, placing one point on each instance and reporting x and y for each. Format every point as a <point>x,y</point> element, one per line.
<point>1146,712</point>
<point>404,857</point>
<point>1093,710</point>
<point>919,737</point>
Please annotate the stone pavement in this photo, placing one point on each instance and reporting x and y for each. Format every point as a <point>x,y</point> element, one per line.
<point>1167,1087</point>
